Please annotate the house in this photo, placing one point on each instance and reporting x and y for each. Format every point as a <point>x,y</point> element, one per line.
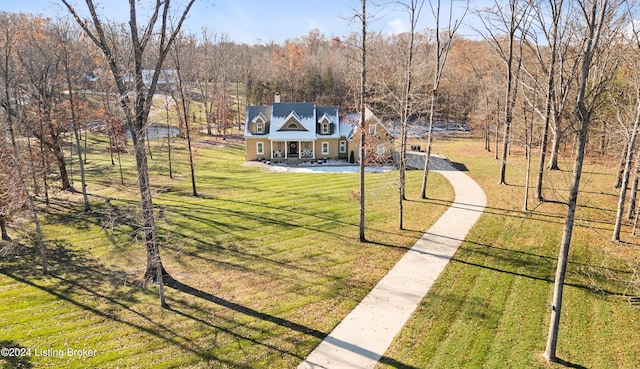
<point>303,131</point>
<point>379,140</point>
<point>167,79</point>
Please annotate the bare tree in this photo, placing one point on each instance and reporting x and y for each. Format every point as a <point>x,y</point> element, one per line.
<point>442,52</point>
<point>597,17</point>
<point>414,8</point>
<point>363,108</point>
<point>137,113</point>
<point>9,42</point>
<point>624,114</point>
<point>515,20</point>
<point>66,42</point>
<point>41,64</point>
<point>552,35</point>
<point>178,52</point>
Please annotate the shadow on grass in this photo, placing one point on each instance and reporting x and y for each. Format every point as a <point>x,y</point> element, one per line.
<point>569,365</point>
<point>18,357</point>
<point>84,283</point>
<point>538,268</point>
<point>175,284</point>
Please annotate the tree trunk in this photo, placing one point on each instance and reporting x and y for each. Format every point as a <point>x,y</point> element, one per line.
<point>42,248</point>
<point>55,145</point>
<point>3,228</point>
<point>634,189</point>
<point>425,175</point>
<point>557,11</point>
<point>169,138</point>
<point>185,113</point>
<point>511,93</point>
<point>528,142</point>
<point>558,289</point>
<point>87,206</point>
<point>363,79</point>
<point>625,177</point>
<point>583,116</point>
<point>557,140</point>
<point>621,164</point>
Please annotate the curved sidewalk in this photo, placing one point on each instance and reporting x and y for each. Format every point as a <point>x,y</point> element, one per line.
<point>364,335</point>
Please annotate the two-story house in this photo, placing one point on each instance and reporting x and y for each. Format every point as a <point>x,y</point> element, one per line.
<point>295,132</point>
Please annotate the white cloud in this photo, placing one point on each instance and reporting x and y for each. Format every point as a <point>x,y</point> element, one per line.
<point>397,26</point>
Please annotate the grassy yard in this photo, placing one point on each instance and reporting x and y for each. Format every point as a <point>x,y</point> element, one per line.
<point>263,264</point>
<point>489,309</point>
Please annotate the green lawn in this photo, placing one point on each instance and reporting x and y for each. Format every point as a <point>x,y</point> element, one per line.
<point>264,264</point>
<point>489,307</point>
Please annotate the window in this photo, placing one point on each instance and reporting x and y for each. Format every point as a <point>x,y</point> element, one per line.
<point>260,148</point>
<point>372,129</point>
<point>380,150</point>
<point>343,147</point>
<point>325,128</point>
<point>325,148</point>
<point>292,126</point>
<point>259,128</point>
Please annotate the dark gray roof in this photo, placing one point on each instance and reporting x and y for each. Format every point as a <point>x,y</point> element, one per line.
<point>330,111</point>
<point>254,111</point>
<point>303,110</point>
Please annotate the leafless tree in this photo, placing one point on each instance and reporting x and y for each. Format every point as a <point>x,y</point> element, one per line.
<point>362,106</point>
<point>69,55</point>
<point>442,52</point>
<point>41,64</point>
<point>513,20</point>
<point>413,8</point>
<point>8,63</point>
<point>179,50</point>
<point>137,113</point>
<point>628,111</point>
<point>597,21</point>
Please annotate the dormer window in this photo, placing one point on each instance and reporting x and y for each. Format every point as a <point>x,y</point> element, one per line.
<point>260,124</point>
<point>292,126</point>
<point>325,125</point>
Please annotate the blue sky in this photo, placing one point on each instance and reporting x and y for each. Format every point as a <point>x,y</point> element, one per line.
<point>254,21</point>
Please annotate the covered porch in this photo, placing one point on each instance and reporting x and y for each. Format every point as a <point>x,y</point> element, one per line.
<point>288,149</point>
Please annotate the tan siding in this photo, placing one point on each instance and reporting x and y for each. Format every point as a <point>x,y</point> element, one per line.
<point>333,148</point>
<point>252,147</point>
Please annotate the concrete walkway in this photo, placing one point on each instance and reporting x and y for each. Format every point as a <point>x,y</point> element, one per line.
<point>364,335</point>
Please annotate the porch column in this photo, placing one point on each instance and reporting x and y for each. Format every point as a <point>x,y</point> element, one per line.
<point>271,142</point>
<point>299,149</point>
<point>286,149</point>
<point>313,148</point>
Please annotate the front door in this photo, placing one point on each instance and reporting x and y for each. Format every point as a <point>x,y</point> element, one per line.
<point>293,148</point>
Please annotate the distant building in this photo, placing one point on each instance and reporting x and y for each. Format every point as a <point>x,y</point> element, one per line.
<point>167,80</point>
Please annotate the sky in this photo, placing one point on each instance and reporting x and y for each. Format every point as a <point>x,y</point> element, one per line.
<point>259,21</point>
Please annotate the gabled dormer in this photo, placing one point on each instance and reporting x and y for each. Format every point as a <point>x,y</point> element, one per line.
<point>260,126</point>
<point>324,125</point>
<point>292,123</point>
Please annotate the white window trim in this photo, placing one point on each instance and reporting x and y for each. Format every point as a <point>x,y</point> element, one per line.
<point>372,129</point>
<point>260,148</point>
<point>343,147</point>
<point>325,128</point>
<point>325,145</point>
<point>380,149</point>
<point>259,128</point>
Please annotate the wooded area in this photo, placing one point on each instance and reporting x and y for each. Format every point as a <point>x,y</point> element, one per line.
<point>557,78</point>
